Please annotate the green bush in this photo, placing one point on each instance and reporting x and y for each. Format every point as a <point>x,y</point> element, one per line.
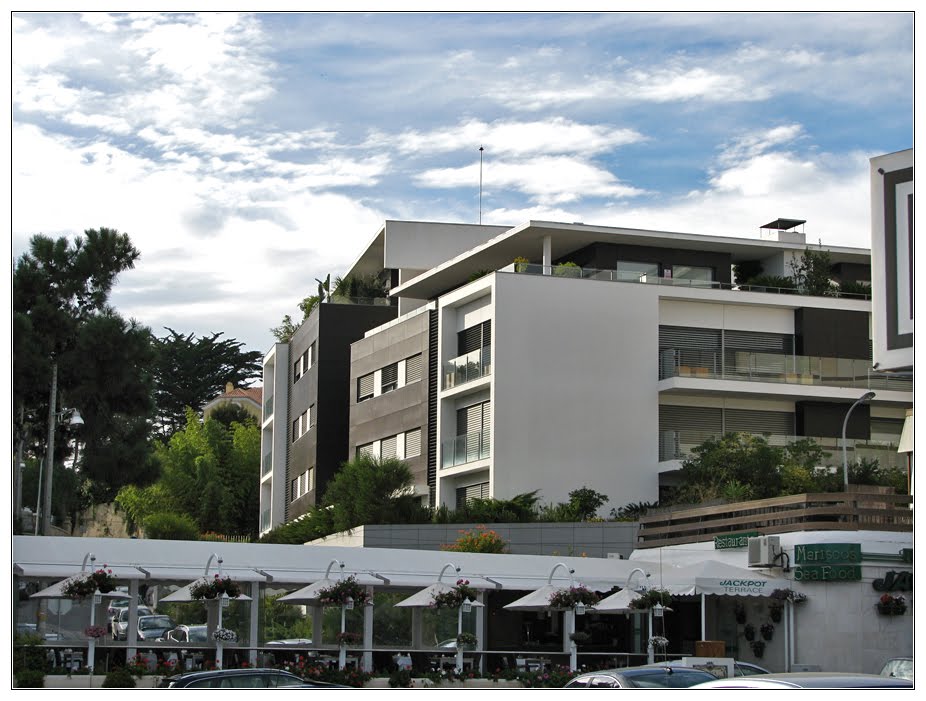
<point>400,678</point>
<point>776,281</point>
<point>167,526</point>
<point>30,679</point>
<point>119,678</point>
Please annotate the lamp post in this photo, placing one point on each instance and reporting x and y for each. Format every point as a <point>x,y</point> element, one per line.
<point>573,650</point>
<point>845,455</point>
<point>43,522</point>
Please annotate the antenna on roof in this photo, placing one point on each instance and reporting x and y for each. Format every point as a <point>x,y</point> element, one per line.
<point>480,183</point>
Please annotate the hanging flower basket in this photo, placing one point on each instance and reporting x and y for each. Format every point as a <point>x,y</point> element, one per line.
<point>767,630</point>
<point>580,637</point>
<point>774,612</point>
<point>795,597</point>
<point>749,632</point>
<point>466,641</point>
<point>343,592</point>
<point>83,585</point>
<point>658,642</point>
<point>211,589</point>
<point>96,632</point>
<point>649,599</point>
<point>454,598</point>
<point>889,605</point>
<point>224,635</point>
<point>571,597</point>
<point>758,647</point>
<point>739,613</point>
<point>346,639</point>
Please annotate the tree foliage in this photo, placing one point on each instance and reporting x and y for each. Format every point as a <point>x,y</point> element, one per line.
<point>189,371</point>
<point>811,273</point>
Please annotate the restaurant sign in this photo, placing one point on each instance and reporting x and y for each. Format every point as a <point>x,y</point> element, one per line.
<point>734,586</point>
<point>828,553</point>
<point>828,573</point>
<point>733,540</point>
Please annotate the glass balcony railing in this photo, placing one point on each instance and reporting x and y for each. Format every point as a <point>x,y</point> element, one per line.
<point>646,279</point>
<point>678,445</point>
<point>265,520</point>
<point>467,368</point>
<point>266,465</point>
<point>777,367</point>
<point>463,449</point>
<point>268,408</point>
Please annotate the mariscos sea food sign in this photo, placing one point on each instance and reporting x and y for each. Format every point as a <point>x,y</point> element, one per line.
<point>828,562</point>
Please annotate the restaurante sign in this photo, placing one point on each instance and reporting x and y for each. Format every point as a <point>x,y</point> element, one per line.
<point>733,540</point>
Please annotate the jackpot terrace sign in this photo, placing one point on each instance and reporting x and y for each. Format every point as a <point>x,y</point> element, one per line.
<point>828,562</point>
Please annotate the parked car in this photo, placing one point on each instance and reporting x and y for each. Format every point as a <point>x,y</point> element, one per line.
<point>119,625</point>
<point>154,627</point>
<point>900,667</point>
<point>188,634</point>
<point>809,680</point>
<point>256,678</point>
<point>643,677</point>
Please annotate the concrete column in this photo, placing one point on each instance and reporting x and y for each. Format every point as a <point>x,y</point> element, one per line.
<point>317,619</point>
<point>481,613</point>
<point>367,662</point>
<point>547,255</point>
<point>416,628</point>
<point>254,633</point>
<point>131,634</point>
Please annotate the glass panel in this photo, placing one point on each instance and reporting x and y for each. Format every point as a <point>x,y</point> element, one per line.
<point>639,272</point>
<point>691,272</point>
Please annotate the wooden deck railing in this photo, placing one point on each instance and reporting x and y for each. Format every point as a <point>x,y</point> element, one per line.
<point>826,511</point>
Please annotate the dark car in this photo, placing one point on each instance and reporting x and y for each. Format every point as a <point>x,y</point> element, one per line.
<point>645,677</point>
<point>256,678</point>
<point>740,669</point>
<point>809,680</point>
<point>154,627</point>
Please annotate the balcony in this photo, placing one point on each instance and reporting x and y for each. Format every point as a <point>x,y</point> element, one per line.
<point>268,407</point>
<point>678,445</point>
<point>777,367</point>
<point>266,465</point>
<point>469,367</point>
<point>265,520</point>
<point>463,449</point>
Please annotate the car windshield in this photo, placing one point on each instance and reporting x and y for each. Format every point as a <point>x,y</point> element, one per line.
<point>150,622</point>
<point>198,634</point>
<point>662,679</point>
<point>898,668</point>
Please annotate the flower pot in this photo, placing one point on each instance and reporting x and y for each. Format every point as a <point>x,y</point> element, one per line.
<point>767,635</point>
<point>775,614</point>
<point>892,609</point>
<point>749,633</point>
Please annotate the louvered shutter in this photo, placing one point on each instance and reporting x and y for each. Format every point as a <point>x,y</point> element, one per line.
<point>413,443</point>
<point>388,447</point>
<point>413,369</point>
<point>776,423</point>
<point>389,377</point>
<point>681,428</point>
<point>365,387</point>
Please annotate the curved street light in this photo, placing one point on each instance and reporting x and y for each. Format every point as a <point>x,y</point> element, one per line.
<point>845,457</point>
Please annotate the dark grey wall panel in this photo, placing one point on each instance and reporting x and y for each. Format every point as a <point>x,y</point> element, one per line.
<point>832,333</point>
<point>604,256</point>
<point>824,419</point>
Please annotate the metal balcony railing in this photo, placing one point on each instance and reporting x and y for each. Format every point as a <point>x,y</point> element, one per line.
<point>464,449</point>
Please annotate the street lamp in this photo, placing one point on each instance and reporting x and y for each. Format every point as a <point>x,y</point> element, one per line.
<point>74,419</point>
<point>845,456</point>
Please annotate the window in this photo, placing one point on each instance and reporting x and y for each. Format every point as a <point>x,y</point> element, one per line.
<point>365,387</point>
<point>368,449</point>
<point>296,433</point>
<point>693,273</point>
<point>474,338</point>
<point>413,369</point>
<point>310,479</point>
<point>388,447</point>
<point>294,489</point>
<point>297,370</point>
<point>413,443</point>
<point>474,491</point>
<point>389,378</point>
<point>637,272</point>
<point>474,427</point>
<point>313,418</point>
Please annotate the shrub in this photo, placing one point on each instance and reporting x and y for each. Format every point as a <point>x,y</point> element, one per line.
<point>400,678</point>
<point>775,281</point>
<point>30,679</point>
<point>478,540</point>
<point>852,288</point>
<point>119,678</point>
<point>168,526</point>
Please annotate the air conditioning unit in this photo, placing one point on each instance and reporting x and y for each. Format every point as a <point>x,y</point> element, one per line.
<point>764,551</point>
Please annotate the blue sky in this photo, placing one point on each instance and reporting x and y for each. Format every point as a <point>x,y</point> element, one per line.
<point>248,154</point>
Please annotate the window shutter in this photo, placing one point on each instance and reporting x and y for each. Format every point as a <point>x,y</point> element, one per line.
<point>413,443</point>
<point>413,369</point>
<point>390,377</point>
<point>365,387</point>
<point>313,416</point>
<point>776,423</point>
<point>388,447</point>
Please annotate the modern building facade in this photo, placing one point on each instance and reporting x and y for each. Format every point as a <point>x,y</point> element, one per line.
<point>554,356</point>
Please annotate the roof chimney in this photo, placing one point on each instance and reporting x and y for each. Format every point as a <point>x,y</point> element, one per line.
<point>229,387</point>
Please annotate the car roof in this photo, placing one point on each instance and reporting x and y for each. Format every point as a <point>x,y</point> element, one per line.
<point>809,680</point>
<point>206,674</point>
<point>617,671</point>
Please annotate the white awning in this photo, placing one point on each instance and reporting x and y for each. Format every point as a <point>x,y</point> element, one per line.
<point>425,597</point>
<point>906,435</point>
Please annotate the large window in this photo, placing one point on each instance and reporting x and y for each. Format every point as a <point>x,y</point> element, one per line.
<point>693,273</point>
<point>473,491</point>
<point>637,272</point>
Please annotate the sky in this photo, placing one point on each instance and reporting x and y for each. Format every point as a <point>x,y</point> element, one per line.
<point>248,154</point>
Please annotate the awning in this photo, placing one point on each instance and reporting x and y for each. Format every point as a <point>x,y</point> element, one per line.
<point>720,578</point>
<point>425,597</point>
<point>183,593</point>
<point>56,591</point>
<point>47,571</point>
<point>620,602</point>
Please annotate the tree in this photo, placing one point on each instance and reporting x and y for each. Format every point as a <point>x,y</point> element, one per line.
<point>812,273</point>
<point>585,502</point>
<point>60,294</point>
<point>284,332</point>
<point>189,371</point>
<point>212,474</point>
<point>369,490</point>
<point>228,414</point>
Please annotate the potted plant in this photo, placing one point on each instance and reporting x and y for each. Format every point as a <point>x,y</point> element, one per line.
<point>343,593</point>
<point>520,264</point>
<point>87,584</point>
<point>658,642</point>
<point>749,632</point>
<point>767,630</point>
<point>758,647</point>
<point>573,596</point>
<point>795,597</point>
<point>96,632</point>
<point>580,637</point>
<point>455,597</point>
<point>347,638</point>
<point>466,641</point>
<point>890,605</point>
<point>774,611</point>
<point>650,598</point>
<point>739,612</point>
<point>211,589</point>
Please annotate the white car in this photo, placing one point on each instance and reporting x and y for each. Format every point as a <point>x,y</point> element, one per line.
<point>119,624</point>
<point>808,680</point>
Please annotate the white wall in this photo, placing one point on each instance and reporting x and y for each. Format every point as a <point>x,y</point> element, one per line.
<point>575,401</point>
